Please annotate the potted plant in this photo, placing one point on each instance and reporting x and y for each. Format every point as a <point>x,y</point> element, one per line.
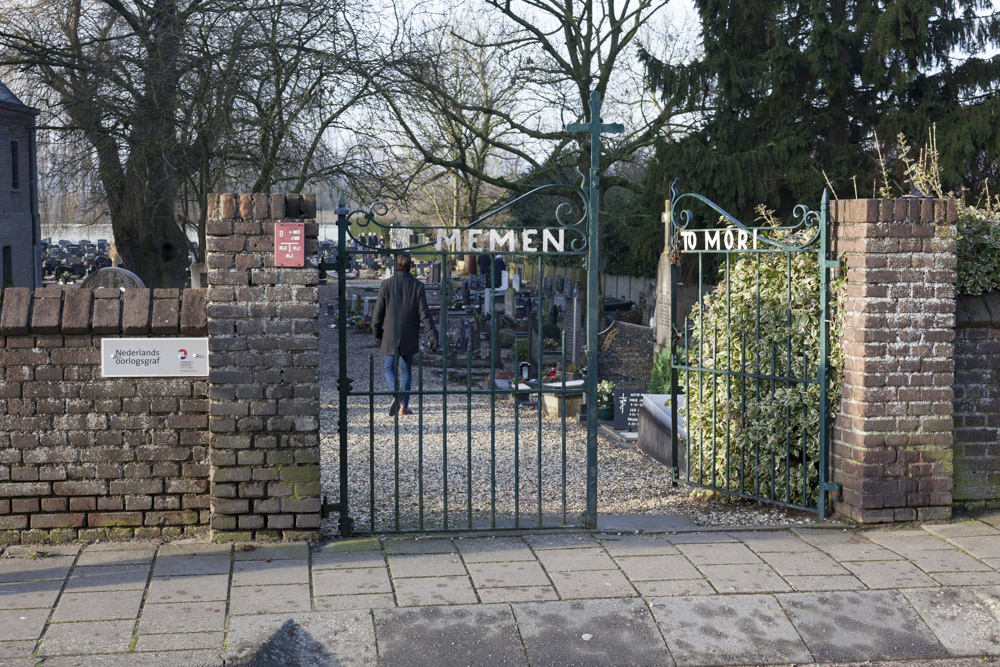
<point>605,396</point>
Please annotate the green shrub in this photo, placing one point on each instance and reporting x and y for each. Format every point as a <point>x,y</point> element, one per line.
<point>551,331</point>
<point>739,424</point>
<point>505,321</point>
<point>522,350</point>
<point>978,249</point>
<point>506,338</point>
<point>659,379</point>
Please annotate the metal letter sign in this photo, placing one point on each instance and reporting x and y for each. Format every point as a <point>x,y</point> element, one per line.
<point>154,357</point>
<point>290,244</point>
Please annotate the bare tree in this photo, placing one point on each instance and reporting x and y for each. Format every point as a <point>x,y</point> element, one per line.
<point>547,57</point>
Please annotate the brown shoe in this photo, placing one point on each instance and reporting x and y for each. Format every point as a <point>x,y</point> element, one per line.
<point>403,410</point>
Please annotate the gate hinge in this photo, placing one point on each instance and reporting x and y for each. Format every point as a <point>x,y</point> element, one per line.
<point>831,487</point>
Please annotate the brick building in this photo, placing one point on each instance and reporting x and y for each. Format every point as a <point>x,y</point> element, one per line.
<point>20,228</point>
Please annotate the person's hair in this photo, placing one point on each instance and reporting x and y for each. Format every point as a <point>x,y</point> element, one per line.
<point>403,262</point>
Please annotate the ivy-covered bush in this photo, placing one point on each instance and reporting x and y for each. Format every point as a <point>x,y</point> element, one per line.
<point>740,428</point>
<point>978,249</point>
<point>551,331</point>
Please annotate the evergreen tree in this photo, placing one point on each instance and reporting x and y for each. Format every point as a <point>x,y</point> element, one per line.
<point>790,90</point>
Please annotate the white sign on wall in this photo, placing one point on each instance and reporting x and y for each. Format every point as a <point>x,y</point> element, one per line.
<point>154,357</point>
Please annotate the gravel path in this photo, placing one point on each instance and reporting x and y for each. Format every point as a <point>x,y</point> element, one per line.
<point>628,481</point>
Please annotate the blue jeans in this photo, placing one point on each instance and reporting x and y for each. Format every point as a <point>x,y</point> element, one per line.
<point>405,375</point>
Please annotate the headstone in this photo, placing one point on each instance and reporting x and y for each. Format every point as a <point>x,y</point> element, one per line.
<point>560,281</point>
<point>508,303</point>
<point>533,337</point>
<point>436,272</point>
<point>517,281</point>
<point>547,285</point>
<point>625,355</point>
<point>627,404</point>
<point>475,338</point>
<point>567,289</point>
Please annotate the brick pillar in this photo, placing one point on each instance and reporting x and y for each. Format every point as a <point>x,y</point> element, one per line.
<point>264,385</point>
<point>893,435</point>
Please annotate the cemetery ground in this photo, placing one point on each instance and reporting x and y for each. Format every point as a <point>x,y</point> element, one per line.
<point>630,483</point>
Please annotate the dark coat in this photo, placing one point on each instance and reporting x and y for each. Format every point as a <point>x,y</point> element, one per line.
<point>411,308</point>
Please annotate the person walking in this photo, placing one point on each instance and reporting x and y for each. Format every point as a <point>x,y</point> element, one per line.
<point>400,309</point>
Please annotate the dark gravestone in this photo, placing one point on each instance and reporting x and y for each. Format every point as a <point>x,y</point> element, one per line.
<point>560,282</point>
<point>547,285</point>
<point>627,404</point>
<point>533,338</point>
<point>625,355</point>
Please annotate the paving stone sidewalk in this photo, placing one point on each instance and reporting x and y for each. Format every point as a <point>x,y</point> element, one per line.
<point>805,595</point>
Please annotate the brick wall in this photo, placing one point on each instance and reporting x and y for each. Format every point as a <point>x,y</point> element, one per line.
<point>894,434</point>
<point>82,456</point>
<point>264,327</point>
<point>977,402</point>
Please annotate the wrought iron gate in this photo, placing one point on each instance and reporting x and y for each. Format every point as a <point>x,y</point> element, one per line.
<point>749,394</point>
<point>437,469</point>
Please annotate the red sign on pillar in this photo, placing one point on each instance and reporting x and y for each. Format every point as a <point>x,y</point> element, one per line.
<point>290,244</point>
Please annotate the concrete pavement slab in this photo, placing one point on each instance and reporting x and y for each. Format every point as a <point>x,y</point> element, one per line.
<point>433,636</point>
<point>590,632</point>
<point>269,599</point>
<point>191,564</point>
<point>33,569</point>
<point>309,640</point>
<point>970,528</point>
<point>859,550</point>
<point>826,583</point>
<point>636,545</point>
<point>189,589</point>
<point>30,594</point>
<point>991,518</point>
<point>185,641</point>
<point>427,591</point>
<point>658,568</point>
<point>728,630</point>
<point>351,582</point>
<point>88,637</point>
<point>426,565</point>
<point>965,620</point>
<point>41,550</point>
<point>951,560</point>
<point>991,578</point>
<point>907,542</point>
<point>699,538</point>
<point>575,560</point>
<point>490,549</point>
<point>153,659</point>
<point>275,572</point>
<point>103,606</point>
<point>835,631</point>
<point>803,564</point>
<point>124,557</point>
<point>183,617</point>
<point>329,560</point>
<point>22,623</point>
<point>342,602</point>
<point>432,545</point>
<point>890,574</point>
<point>195,546</point>
<point>814,535</point>
<point>680,587</point>
<point>517,573</point>
<point>108,578</point>
<point>644,522</point>
<point>719,554</point>
<point>287,551</point>
<point>592,584</point>
<point>748,578</point>
<point>518,594</point>
<point>16,649</point>
<point>560,541</point>
<point>980,546</point>
<point>768,541</point>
